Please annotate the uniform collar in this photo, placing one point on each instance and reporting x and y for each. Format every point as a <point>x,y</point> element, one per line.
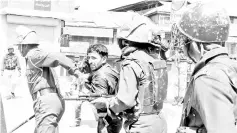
<point>130,52</point>
<point>207,57</point>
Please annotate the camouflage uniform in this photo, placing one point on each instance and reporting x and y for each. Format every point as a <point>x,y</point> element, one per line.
<point>9,65</point>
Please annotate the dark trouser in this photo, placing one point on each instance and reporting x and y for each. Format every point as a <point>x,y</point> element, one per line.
<point>114,126</point>
<point>48,110</point>
<point>149,124</point>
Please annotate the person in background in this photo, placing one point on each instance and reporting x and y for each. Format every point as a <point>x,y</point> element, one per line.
<point>10,64</point>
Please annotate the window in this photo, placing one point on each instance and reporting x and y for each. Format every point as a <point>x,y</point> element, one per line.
<point>103,40</point>
<point>88,39</point>
<point>233,20</point>
<point>164,19</point>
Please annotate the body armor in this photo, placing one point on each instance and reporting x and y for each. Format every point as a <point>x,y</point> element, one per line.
<point>205,23</point>
<point>153,89</point>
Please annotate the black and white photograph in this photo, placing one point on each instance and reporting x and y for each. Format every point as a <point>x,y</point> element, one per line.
<point>118,66</point>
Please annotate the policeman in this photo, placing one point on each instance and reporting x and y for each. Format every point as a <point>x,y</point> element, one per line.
<point>143,80</point>
<point>210,100</point>
<point>42,80</point>
<point>9,65</point>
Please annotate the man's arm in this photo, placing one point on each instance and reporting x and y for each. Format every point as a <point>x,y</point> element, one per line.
<point>127,92</point>
<point>216,99</point>
<point>43,59</point>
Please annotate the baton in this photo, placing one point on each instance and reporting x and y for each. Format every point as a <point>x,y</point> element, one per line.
<point>24,122</point>
<point>86,97</point>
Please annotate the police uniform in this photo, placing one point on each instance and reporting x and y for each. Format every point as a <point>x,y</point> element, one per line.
<point>136,95</point>
<point>44,88</point>
<point>104,80</point>
<point>211,97</point>
<point>143,79</point>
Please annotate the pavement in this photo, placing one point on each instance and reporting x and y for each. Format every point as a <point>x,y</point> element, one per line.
<point>20,108</point>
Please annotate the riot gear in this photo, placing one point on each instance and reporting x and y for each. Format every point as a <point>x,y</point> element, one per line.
<point>140,30</point>
<point>202,23</point>
<point>26,36</point>
<point>152,94</point>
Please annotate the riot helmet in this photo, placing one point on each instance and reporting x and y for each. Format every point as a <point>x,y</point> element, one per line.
<point>139,29</point>
<point>204,23</point>
<point>26,36</point>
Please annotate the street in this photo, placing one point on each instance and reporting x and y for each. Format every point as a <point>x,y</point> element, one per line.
<point>19,109</point>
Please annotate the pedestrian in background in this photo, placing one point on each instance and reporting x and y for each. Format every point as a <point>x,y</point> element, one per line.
<point>9,66</point>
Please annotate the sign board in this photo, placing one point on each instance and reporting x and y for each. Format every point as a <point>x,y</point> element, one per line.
<point>86,31</point>
<point>3,3</point>
<point>43,5</point>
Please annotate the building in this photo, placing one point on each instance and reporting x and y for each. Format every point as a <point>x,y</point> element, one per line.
<point>164,15</point>
<point>45,17</point>
<point>157,11</point>
<point>83,29</point>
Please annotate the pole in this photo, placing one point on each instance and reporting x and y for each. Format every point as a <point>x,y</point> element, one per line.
<point>3,128</point>
<point>21,124</point>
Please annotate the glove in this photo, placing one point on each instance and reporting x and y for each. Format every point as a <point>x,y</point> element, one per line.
<point>100,103</point>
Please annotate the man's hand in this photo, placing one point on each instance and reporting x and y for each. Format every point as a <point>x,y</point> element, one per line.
<point>77,73</point>
<point>100,103</point>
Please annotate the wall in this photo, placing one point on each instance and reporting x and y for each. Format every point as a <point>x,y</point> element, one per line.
<point>48,30</point>
<point>44,5</point>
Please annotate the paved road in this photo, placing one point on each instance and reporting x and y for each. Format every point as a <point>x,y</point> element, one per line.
<point>20,108</point>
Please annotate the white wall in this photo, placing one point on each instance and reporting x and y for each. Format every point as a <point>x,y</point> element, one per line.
<point>48,30</point>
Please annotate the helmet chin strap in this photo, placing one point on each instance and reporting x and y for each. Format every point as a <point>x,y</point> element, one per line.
<point>188,51</point>
<point>21,50</point>
<point>190,57</point>
<point>202,50</point>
